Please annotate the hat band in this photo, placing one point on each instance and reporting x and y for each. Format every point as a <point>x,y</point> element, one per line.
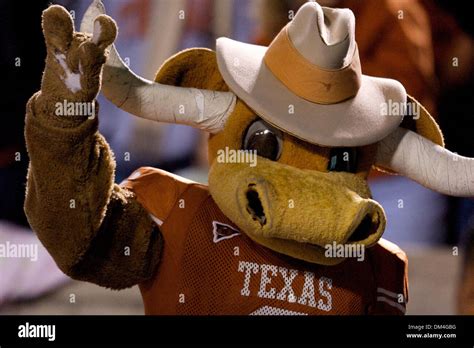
<point>307,80</point>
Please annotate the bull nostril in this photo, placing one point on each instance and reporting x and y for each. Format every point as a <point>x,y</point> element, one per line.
<point>367,227</point>
<point>254,205</point>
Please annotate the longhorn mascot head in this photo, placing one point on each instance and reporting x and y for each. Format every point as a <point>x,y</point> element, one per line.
<point>315,120</point>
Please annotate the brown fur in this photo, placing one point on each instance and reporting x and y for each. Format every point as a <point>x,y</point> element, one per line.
<point>70,160</point>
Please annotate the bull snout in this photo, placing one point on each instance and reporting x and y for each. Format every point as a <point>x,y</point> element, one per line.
<point>295,211</point>
<point>358,221</point>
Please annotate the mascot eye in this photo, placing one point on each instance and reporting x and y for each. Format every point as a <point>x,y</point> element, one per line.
<point>264,139</point>
<point>343,159</point>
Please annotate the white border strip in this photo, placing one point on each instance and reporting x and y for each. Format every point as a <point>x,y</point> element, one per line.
<point>391,303</point>
<point>388,293</point>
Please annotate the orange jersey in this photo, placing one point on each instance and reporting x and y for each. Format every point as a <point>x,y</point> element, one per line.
<point>209,267</point>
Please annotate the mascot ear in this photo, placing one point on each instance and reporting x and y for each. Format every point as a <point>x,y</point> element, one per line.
<point>58,28</point>
<point>424,125</point>
<point>194,68</point>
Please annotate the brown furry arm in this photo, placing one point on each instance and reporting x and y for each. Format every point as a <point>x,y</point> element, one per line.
<point>95,230</point>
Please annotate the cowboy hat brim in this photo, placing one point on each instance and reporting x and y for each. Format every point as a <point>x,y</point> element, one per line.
<point>357,121</point>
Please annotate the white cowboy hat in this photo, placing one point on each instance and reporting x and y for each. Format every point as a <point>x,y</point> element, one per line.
<point>309,83</point>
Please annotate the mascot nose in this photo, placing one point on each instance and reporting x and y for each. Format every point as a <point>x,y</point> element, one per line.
<point>372,222</point>
<point>254,205</point>
<point>280,202</point>
<point>261,204</point>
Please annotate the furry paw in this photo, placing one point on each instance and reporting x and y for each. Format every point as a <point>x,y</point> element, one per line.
<point>75,60</point>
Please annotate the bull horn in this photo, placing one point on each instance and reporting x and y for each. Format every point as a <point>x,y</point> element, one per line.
<point>203,109</point>
<point>431,165</point>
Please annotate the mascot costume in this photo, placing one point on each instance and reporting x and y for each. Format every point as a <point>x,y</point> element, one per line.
<point>270,238</point>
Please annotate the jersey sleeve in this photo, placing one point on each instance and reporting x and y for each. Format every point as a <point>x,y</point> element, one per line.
<point>390,266</point>
<point>157,191</point>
